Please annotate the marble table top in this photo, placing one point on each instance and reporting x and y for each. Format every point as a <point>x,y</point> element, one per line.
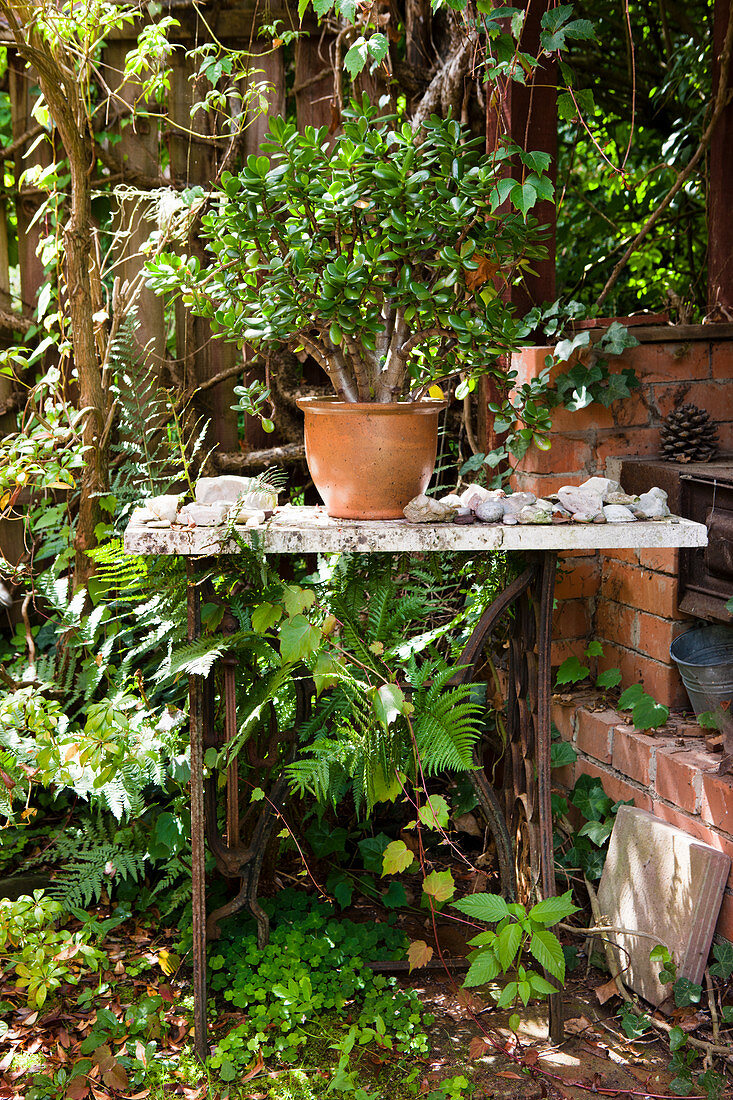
<point>296,530</point>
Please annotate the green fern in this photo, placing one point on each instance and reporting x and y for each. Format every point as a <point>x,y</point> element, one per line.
<point>446,720</point>
<point>95,857</point>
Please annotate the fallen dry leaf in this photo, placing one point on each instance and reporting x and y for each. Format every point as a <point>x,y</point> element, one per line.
<point>478,1046</point>
<point>606,991</point>
<point>577,1025</point>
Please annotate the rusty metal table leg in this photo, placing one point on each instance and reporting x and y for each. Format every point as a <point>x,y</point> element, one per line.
<point>544,725</point>
<point>198,843</point>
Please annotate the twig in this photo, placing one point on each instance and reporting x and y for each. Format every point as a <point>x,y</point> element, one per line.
<point>286,455</point>
<point>29,636</point>
<point>711,1004</point>
<point>722,97</point>
<point>10,150</point>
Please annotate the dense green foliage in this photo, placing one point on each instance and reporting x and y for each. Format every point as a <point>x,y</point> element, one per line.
<point>375,252</point>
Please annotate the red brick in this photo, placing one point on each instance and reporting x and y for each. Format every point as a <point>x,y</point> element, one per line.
<point>589,419</point>
<point>632,754</point>
<point>717,801</point>
<point>678,778</point>
<point>595,733</point>
<point>577,578</point>
<point>572,454</point>
<point>715,397</point>
<point>571,619</point>
<point>656,635</point>
<point>540,484</point>
<point>615,787</point>
<point>724,927</point>
<point>529,363</point>
<point>621,555</point>
<point>661,561</point>
<point>721,355</point>
<point>633,411</point>
<point>725,437</point>
<point>567,647</point>
<point>669,361</point>
<point>629,441</point>
<point>660,680</point>
<point>563,716</point>
<point>615,622</point>
<point>564,777</point>
<point>640,588</point>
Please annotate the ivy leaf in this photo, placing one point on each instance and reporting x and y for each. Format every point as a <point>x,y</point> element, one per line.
<point>484,968</point>
<point>609,679</point>
<point>356,56</point>
<point>648,714</point>
<point>723,966</point>
<point>594,649</point>
<point>298,640</point>
<point>419,954</point>
<point>434,813</point>
<point>395,896</point>
<point>598,831</point>
<point>297,600</point>
<point>545,947</point>
<point>264,616</point>
<point>378,45</point>
<point>326,673</point>
<point>630,697</point>
<point>397,857</point>
<point>686,993</point>
<point>524,196</point>
<point>590,798</point>
<point>571,671</point>
<point>562,753</point>
<point>487,907</point>
<point>372,849</point>
<point>439,885</point>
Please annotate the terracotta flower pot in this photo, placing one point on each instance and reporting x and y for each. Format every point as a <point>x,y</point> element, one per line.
<point>367,461</point>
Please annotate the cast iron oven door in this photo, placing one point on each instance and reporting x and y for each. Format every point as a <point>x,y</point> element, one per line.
<point>706,573</point>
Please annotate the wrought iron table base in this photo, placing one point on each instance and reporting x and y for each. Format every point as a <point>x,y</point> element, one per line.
<point>526,816</point>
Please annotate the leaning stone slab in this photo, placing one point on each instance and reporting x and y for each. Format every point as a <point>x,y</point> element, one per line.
<point>661,881</point>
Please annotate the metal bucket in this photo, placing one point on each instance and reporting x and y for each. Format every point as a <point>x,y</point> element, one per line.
<point>704,657</point>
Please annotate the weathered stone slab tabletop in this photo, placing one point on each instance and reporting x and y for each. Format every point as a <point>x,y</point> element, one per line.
<point>309,530</point>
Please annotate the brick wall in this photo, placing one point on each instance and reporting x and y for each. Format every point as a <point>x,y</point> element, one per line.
<point>628,600</point>
<point>672,775</point>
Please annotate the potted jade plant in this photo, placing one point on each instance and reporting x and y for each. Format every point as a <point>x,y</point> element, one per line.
<point>384,253</point>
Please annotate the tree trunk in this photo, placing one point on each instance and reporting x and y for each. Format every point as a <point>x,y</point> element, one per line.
<point>61,88</point>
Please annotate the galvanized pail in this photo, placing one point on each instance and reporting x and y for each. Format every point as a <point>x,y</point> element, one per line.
<point>704,657</point>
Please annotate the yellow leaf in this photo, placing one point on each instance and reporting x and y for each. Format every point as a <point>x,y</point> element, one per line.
<point>435,391</point>
<point>168,961</point>
<point>419,954</point>
<point>70,484</point>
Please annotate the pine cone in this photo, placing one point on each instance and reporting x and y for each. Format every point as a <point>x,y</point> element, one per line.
<point>688,435</point>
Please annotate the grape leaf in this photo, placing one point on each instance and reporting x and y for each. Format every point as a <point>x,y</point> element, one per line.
<point>419,954</point>
<point>439,885</point>
<point>397,857</point>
